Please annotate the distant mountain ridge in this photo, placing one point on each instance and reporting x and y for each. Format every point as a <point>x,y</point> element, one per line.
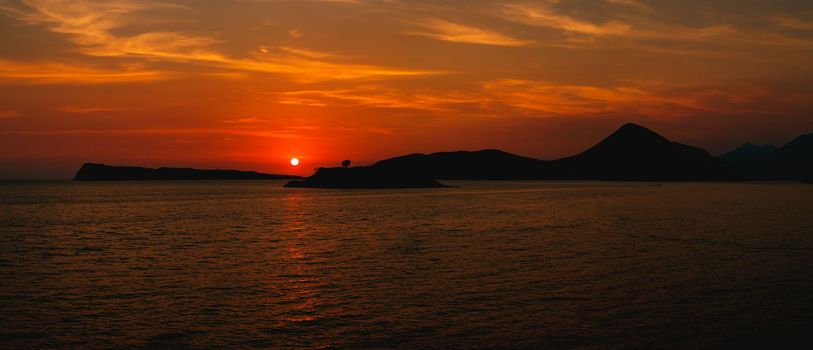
<point>793,161</point>
<point>747,152</point>
<point>631,153</point>
<point>102,172</point>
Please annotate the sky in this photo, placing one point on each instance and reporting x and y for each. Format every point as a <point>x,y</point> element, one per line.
<point>248,84</point>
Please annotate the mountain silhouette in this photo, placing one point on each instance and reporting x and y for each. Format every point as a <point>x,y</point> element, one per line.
<point>796,157</point>
<point>102,172</point>
<point>636,153</point>
<point>747,153</point>
<point>632,153</point>
<point>793,161</point>
<point>487,164</point>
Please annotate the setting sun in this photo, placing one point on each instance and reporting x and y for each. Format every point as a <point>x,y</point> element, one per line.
<point>294,161</point>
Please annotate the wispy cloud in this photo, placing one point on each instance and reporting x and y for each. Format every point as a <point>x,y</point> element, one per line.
<point>95,27</point>
<point>794,23</point>
<point>507,97</point>
<point>281,133</point>
<point>640,22</point>
<point>48,72</point>
<point>377,97</point>
<point>91,24</point>
<point>251,120</point>
<point>631,3</point>
<point>460,33</point>
<point>300,52</point>
<point>543,14</point>
<point>641,98</point>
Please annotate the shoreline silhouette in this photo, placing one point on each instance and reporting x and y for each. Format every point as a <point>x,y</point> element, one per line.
<point>631,153</point>
<point>102,172</point>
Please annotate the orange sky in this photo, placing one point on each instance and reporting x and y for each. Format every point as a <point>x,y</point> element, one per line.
<point>248,84</point>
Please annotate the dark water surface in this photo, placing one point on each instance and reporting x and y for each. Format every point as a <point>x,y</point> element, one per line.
<point>483,265</point>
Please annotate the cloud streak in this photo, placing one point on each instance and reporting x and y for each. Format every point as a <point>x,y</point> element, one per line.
<point>459,33</point>
<point>86,110</point>
<point>95,26</point>
<point>542,14</point>
<point>377,97</point>
<point>49,72</point>
<point>510,97</point>
<point>281,133</point>
<point>639,22</point>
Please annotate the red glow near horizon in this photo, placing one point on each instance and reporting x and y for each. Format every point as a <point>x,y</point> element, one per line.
<point>152,84</point>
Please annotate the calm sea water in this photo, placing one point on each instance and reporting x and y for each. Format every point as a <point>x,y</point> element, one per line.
<point>483,265</point>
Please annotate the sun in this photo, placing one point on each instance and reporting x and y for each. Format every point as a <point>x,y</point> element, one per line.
<point>294,161</point>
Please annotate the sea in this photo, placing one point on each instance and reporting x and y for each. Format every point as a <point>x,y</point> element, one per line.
<point>481,265</point>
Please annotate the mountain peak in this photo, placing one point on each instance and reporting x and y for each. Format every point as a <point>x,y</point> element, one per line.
<point>635,130</point>
<point>635,152</point>
<point>632,126</point>
<point>805,138</point>
<point>803,143</point>
<point>632,135</point>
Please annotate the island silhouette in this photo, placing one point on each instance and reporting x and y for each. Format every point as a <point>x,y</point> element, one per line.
<point>102,172</point>
<point>364,177</point>
<point>631,153</point>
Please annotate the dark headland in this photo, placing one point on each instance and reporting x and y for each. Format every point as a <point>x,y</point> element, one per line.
<point>101,172</point>
<point>631,153</point>
<point>363,178</point>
